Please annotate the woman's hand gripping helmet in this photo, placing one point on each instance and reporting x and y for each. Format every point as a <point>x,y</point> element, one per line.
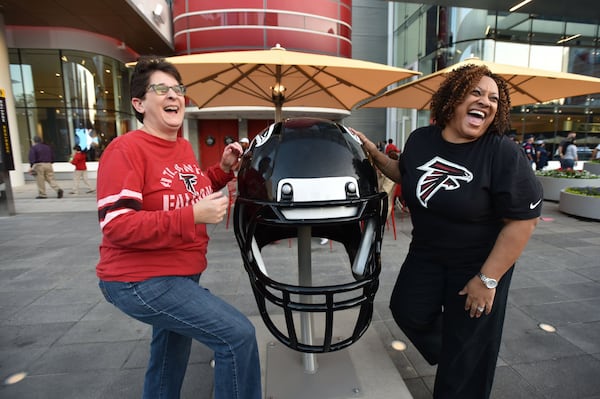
<point>313,174</point>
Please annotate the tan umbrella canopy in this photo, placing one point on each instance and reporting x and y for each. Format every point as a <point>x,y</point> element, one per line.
<point>526,85</point>
<point>275,77</point>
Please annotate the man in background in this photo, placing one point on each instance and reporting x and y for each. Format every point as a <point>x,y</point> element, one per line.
<point>41,158</point>
<point>541,155</point>
<point>529,149</point>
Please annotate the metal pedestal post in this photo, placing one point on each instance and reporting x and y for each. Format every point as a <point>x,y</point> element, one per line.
<point>305,279</point>
<point>286,378</point>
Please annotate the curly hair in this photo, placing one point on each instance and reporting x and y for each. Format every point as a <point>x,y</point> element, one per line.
<point>140,79</point>
<point>454,90</point>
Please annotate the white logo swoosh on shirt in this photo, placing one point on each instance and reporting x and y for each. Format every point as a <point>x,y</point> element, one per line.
<point>534,205</point>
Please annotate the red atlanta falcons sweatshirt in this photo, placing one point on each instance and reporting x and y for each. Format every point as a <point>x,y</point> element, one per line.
<point>146,189</point>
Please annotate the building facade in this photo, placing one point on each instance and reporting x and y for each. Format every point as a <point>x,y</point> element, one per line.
<point>66,78</point>
<point>431,37</point>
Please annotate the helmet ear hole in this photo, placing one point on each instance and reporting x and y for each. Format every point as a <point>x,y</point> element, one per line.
<point>301,179</point>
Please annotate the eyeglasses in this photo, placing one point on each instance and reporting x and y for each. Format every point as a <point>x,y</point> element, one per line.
<point>162,89</point>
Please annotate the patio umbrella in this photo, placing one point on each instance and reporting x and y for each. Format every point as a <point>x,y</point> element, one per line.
<point>276,77</point>
<point>526,86</point>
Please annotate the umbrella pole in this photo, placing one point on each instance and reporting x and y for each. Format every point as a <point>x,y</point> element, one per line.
<point>278,94</point>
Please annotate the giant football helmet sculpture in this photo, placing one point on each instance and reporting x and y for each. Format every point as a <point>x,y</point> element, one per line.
<point>311,172</point>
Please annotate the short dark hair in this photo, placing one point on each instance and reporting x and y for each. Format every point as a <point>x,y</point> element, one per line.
<point>455,88</point>
<point>140,79</point>
<point>77,148</point>
<point>37,139</point>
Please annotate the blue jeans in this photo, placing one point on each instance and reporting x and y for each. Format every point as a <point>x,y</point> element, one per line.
<point>180,310</point>
<point>568,163</point>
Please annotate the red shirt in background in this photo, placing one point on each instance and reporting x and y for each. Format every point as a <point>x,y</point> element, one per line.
<point>79,161</point>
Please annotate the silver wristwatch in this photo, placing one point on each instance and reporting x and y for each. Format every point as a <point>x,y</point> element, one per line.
<point>488,281</point>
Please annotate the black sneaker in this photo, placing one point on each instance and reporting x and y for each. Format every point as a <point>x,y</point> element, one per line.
<point>60,193</point>
<point>40,197</point>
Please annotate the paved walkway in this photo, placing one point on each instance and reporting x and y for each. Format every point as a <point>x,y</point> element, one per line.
<point>56,328</point>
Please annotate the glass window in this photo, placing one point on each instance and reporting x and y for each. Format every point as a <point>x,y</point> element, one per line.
<point>412,40</point>
<point>24,95</point>
<point>41,86</point>
<point>409,37</point>
<point>70,98</point>
<point>552,124</point>
<point>577,34</point>
<point>469,24</point>
<point>546,32</point>
<point>513,27</point>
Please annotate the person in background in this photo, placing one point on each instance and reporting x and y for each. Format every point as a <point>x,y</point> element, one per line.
<point>569,158</point>
<point>387,185</point>
<point>154,205</point>
<point>541,155</point>
<point>41,158</point>
<point>562,147</point>
<point>529,149</point>
<point>596,152</point>
<point>391,147</point>
<point>474,202</point>
<point>80,172</point>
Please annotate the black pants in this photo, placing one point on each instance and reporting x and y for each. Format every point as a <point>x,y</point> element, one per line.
<point>426,306</point>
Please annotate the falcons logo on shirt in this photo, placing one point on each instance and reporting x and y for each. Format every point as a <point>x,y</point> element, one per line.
<point>190,180</point>
<point>440,174</point>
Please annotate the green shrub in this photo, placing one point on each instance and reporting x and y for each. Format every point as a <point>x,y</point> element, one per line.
<point>587,191</point>
<point>567,174</point>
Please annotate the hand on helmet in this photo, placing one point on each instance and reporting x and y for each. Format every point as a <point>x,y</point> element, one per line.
<point>211,209</point>
<point>368,145</point>
<point>231,156</point>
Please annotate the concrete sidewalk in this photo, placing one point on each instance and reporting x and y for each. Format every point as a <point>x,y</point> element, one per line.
<point>56,327</point>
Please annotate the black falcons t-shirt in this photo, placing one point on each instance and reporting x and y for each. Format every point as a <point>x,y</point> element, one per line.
<point>458,194</point>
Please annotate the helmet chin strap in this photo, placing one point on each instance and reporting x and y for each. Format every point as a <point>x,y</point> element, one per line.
<point>359,265</point>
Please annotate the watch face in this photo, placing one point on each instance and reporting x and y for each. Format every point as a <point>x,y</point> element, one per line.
<point>491,283</point>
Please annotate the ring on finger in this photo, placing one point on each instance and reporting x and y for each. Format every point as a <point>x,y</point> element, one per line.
<point>480,308</point>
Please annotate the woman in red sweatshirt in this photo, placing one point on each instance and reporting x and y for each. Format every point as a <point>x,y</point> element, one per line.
<point>153,205</point>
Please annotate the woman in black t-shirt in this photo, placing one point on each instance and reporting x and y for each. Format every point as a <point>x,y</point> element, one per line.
<point>474,202</point>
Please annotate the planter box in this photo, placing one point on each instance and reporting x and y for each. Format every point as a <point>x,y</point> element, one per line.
<point>592,167</point>
<point>579,205</point>
<point>553,185</point>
